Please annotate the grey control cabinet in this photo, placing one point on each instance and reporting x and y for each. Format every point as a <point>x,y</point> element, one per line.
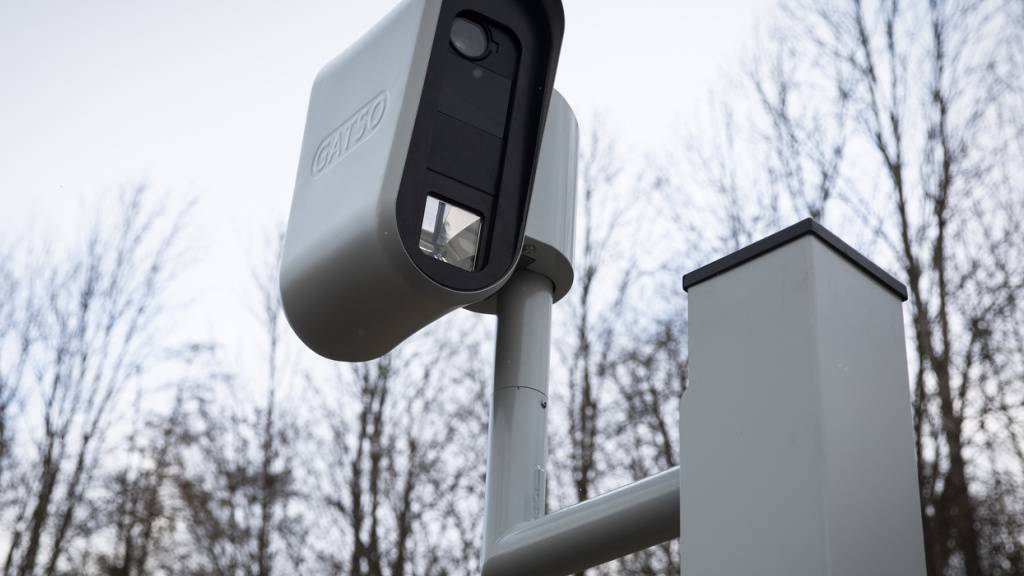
<point>797,448</point>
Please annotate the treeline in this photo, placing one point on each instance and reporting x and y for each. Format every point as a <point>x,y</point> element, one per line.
<point>126,448</point>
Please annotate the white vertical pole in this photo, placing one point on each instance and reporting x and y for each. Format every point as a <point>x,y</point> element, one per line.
<point>518,538</point>
<point>797,448</point>
<point>518,427</point>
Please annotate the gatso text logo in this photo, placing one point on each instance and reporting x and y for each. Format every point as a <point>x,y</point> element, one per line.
<point>353,132</point>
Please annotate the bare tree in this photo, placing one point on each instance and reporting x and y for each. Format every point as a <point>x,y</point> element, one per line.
<point>402,486</point>
<point>622,361</point>
<point>139,514</point>
<point>588,351</point>
<point>236,489</point>
<point>87,338</point>
<point>239,477</point>
<point>15,344</point>
<point>650,374</point>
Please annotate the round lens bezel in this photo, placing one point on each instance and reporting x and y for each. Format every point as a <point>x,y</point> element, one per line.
<point>470,24</point>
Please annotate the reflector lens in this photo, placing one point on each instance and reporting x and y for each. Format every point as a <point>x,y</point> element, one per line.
<point>450,234</point>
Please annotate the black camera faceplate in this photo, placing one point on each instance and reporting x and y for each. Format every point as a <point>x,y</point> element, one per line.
<point>477,134</point>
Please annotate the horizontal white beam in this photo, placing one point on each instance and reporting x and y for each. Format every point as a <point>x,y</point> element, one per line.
<point>592,532</point>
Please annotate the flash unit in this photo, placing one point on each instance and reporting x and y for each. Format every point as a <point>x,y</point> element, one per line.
<point>450,234</point>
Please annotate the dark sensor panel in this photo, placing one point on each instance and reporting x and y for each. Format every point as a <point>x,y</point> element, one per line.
<point>476,95</point>
<point>465,153</point>
<point>477,132</point>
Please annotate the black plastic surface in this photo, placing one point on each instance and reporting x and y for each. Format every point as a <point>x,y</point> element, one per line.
<point>477,134</point>
<point>466,153</point>
<point>475,95</point>
<point>785,236</point>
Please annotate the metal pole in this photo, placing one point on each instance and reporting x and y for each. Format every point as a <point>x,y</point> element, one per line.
<point>518,538</point>
<point>518,427</point>
<point>592,532</point>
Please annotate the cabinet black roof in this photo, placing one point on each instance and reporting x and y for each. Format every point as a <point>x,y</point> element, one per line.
<point>785,236</point>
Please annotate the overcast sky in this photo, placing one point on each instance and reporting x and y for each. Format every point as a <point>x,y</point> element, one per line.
<point>208,98</point>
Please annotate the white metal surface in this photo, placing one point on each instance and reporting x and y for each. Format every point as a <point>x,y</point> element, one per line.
<point>362,110</point>
<point>797,454</point>
<point>592,532</point>
<point>518,538</point>
<point>518,425</point>
<point>551,225</point>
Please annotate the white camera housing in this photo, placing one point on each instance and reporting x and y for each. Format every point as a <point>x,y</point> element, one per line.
<point>416,171</point>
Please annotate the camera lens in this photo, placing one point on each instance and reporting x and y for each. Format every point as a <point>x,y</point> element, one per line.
<point>470,39</point>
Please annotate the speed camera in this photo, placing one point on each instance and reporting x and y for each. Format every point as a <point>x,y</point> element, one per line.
<point>416,170</point>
